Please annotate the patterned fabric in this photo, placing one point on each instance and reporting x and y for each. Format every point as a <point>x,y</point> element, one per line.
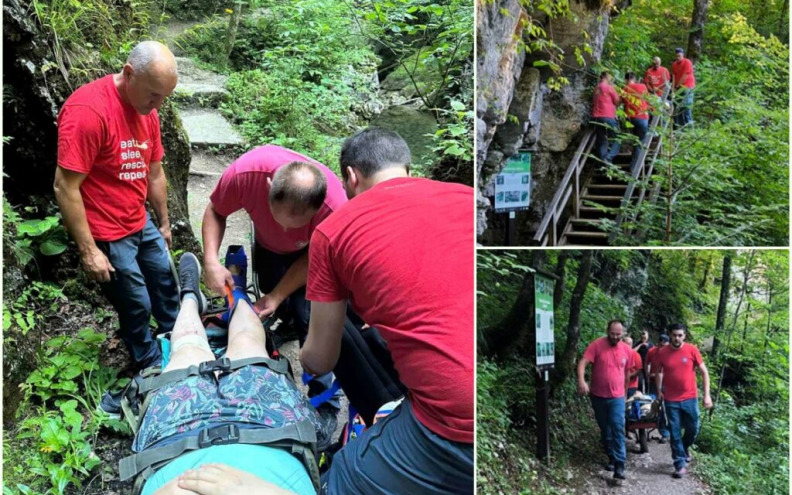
<point>253,395</point>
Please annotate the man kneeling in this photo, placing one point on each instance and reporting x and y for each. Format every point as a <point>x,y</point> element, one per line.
<point>226,426</point>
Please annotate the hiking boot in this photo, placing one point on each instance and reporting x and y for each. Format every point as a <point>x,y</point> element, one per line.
<point>328,419</point>
<point>663,440</point>
<point>618,473</point>
<point>190,279</point>
<point>610,466</point>
<point>679,473</point>
<point>688,457</point>
<point>110,405</point>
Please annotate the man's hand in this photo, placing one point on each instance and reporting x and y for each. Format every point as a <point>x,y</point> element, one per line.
<point>267,305</point>
<point>96,265</point>
<point>707,402</point>
<point>660,396</point>
<point>583,389</point>
<point>219,479</point>
<point>165,230</point>
<point>217,276</point>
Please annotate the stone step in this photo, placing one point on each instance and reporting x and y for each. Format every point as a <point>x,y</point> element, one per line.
<point>207,128</point>
<point>197,86</point>
<point>210,164</point>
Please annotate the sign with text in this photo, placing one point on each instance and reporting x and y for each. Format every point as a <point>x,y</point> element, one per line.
<point>545,337</point>
<point>513,184</point>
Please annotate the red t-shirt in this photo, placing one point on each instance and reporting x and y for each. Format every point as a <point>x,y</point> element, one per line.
<point>636,365</point>
<point>105,138</point>
<point>402,254</point>
<point>656,78</point>
<point>679,371</point>
<point>609,366</point>
<point>681,67</point>
<point>244,185</point>
<point>635,104</point>
<point>650,359</point>
<point>605,101</point>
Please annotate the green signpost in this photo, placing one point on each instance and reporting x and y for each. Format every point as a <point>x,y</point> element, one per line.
<point>543,310</point>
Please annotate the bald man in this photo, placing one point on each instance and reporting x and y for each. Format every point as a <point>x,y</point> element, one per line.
<point>109,165</point>
<point>657,77</point>
<point>286,195</point>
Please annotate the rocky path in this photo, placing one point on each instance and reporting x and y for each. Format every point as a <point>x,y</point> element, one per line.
<point>647,474</point>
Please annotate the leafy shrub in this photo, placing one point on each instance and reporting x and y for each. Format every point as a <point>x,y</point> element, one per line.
<point>58,417</point>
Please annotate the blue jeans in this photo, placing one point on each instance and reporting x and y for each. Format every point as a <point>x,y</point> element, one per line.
<point>270,269</point>
<point>640,126</point>
<point>607,144</point>
<point>400,455</point>
<point>142,286</point>
<point>682,415</point>
<point>609,414</point>
<point>683,113</point>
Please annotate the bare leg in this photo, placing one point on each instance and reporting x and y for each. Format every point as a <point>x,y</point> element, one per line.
<point>246,336</point>
<point>188,338</point>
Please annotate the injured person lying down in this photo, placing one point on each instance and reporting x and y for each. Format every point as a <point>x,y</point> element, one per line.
<point>233,425</point>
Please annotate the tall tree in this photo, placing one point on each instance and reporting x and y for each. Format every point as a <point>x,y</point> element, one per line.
<point>696,37</point>
<point>565,365</point>
<point>724,298</point>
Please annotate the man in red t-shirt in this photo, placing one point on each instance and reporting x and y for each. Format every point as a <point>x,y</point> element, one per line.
<point>635,369</point>
<point>683,82</point>
<point>636,107</point>
<point>650,370</point>
<point>400,252</point>
<point>603,115</point>
<point>611,361</point>
<point>676,381</point>
<point>109,165</point>
<point>286,195</point>
<point>657,77</point>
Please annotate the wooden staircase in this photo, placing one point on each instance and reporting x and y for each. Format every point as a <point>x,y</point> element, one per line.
<point>594,201</point>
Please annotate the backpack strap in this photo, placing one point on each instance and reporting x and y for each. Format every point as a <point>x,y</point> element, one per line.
<point>295,437</point>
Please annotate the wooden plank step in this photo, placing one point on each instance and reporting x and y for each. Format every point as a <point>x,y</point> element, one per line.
<point>597,198</point>
<point>612,186</point>
<point>592,212</point>
<point>587,234</point>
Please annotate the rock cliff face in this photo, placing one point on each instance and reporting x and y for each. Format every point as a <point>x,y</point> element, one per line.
<point>516,110</point>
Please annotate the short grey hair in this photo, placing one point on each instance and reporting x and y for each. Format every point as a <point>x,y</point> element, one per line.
<point>144,54</point>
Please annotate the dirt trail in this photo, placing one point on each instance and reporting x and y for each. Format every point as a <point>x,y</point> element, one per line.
<point>647,474</point>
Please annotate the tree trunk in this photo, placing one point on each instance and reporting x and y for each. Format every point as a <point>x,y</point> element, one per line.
<point>565,366</point>
<point>560,271</point>
<point>233,26</point>
<point>696,37</point>
<point>724,298</point>
<point>705,277</point>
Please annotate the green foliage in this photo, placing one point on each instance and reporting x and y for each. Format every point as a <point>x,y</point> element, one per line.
<point>27,238</point>
<point>300,75</point>
<point>37,302</point>
<point>90,35</point>
<point>58,421</point>
<point>733,166</point>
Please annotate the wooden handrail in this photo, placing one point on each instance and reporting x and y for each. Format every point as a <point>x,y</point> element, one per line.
<point>562,195</point>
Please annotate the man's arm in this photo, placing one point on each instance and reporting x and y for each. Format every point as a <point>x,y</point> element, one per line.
<point>294,278</point>
<point>583,388</point>
<point>320,352</point>
<point>158,197</point>
<point>705,377</point>
<point>659,384</point>
<point>212,231</point>
<point>67,193</point>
